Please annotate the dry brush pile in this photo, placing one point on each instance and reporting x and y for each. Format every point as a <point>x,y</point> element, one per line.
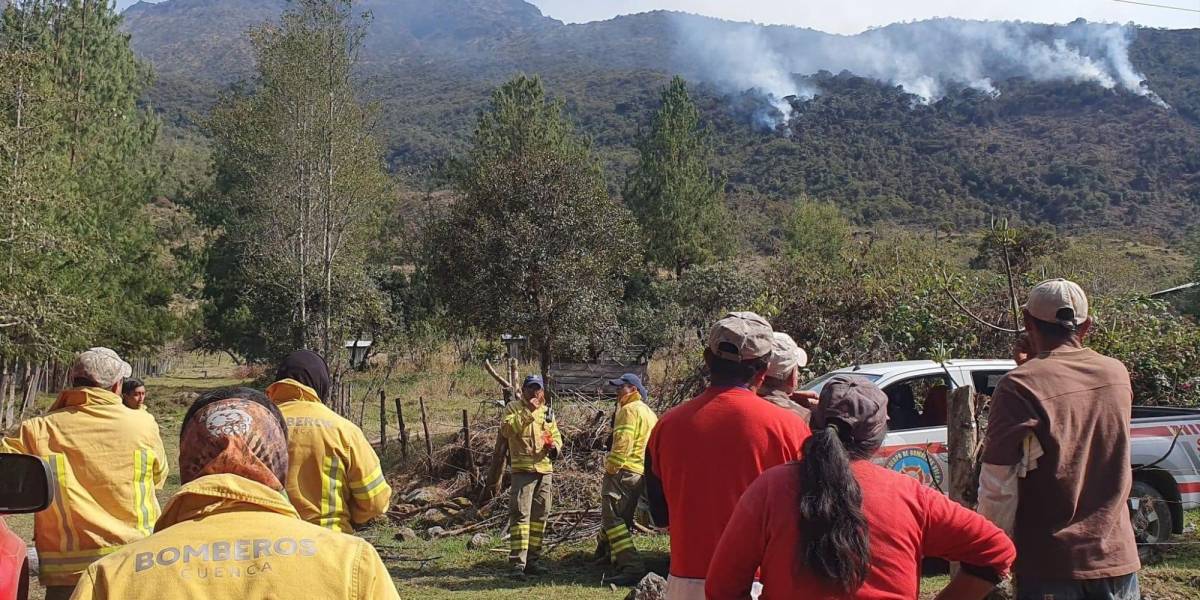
<point>444,494</point>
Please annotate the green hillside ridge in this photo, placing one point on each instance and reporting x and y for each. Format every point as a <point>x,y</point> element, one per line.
<point>1076,156</point>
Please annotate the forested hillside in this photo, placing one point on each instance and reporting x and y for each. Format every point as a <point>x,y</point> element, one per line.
<point>1073,154</point>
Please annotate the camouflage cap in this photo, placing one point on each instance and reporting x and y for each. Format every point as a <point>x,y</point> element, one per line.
<point>741,336</point>
<point>101,366</point>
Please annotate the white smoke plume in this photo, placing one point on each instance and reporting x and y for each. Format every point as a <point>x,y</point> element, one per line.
<point>929,59</point>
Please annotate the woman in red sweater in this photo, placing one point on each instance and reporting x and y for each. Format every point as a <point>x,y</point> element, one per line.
<point>834,525</point>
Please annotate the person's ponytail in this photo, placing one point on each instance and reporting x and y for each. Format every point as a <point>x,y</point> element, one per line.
<point>833,529</point>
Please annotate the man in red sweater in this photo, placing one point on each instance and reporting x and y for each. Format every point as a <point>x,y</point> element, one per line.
<point>704,453</point>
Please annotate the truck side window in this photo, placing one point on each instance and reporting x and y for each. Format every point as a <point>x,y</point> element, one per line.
<point>918,402</point>
<point>985,381</point>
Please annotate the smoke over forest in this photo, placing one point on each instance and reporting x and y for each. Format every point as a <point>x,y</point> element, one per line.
<point>929,59</point>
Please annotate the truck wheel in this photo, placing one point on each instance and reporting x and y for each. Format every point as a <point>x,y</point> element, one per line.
<point>1151,518</point>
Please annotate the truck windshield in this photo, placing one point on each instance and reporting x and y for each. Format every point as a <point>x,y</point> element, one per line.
<point>818,383</point>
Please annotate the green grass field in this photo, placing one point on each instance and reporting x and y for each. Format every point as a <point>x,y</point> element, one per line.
<point>454,572</point>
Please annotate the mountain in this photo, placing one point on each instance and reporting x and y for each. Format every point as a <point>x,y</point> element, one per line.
<point>206,39</point>
<point>937,122</point>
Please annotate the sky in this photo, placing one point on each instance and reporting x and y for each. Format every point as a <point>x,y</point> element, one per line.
<point>853,16</point>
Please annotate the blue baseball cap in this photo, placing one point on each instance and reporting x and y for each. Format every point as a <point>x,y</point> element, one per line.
<point>629,378</point>
<point>534,380</point>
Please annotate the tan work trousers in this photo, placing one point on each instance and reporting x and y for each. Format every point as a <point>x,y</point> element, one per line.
<point>528,509</point>
<point>619,496</point>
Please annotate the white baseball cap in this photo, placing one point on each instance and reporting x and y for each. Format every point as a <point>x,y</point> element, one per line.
<point>785,356</point>
<point>1058,301</point>
<point>101,366</point>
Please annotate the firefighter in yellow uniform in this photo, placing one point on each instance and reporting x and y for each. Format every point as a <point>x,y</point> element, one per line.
<point>334,476</point>
<point>622,485</point>
<point>106,461</point>
<point>533,440</point>
<point>230,533</point>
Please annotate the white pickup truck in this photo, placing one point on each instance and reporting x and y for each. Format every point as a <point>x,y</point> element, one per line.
<point>1165,452</point>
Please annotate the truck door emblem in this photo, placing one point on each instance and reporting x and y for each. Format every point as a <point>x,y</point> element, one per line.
<point>918,464</point>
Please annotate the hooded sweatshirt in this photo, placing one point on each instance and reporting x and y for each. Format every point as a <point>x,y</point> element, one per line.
<point>106,460</point>
<point>226,537</point>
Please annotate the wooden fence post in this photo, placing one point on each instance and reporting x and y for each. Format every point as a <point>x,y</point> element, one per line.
<point>495,474</point>
<point>467,444</point>
<point>382,421</point>
<point>428,440</point>
<point>403,428</point>
<point>963,439</point>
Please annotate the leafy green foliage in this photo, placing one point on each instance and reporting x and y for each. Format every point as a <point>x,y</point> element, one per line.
<point>1160,348</point>
<point>532,244</point>
<point>816,231</point>
<point>299,195</point>
<point>1016,248</point>
<point>677,199</point>
<point>84,262</point>
<point>887,300</point>
<point>883,301</point>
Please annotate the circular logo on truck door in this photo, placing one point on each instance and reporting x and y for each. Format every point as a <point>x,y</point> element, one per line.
<point>918,464</point>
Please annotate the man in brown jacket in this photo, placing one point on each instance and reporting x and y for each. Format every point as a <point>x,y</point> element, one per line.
<point>1056,472</point>
<point>783,376</point>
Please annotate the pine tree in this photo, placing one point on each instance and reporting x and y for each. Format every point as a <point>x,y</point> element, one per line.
<point>79,251</point>
<point>674,193</point>
<point>533,245</point>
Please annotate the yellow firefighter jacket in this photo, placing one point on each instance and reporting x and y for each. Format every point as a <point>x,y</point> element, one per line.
<point>631,433</point>
<point>526,432</point>
<point>106,461</point>
<point>334,477</point>
<point>227,537</point>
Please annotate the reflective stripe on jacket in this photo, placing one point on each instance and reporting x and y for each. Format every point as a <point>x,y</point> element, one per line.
<point>106,460</point>
<point>631,433</point>
<point>225,537</point>
<point>334,476</point>
<point>526,432</point>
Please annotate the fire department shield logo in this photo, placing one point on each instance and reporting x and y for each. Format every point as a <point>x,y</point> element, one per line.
<point>918,464</point>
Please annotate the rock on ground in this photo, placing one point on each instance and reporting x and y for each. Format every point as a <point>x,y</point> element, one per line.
<point>406,534</point>
<point>434,516</point>
<point>434,532</point>
<point>479,541</point>
<point>651,587</point>
<point>423,496</point>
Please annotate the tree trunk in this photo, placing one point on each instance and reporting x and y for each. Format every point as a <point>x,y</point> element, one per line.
<point>545,361</point>
<point>6,410</point>
<point>33,377</point>
<point>9,393</point>
<point>327,228</point>
<point>77,108</point>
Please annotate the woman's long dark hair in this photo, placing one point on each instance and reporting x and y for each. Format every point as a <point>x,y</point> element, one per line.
<point>833,528</point>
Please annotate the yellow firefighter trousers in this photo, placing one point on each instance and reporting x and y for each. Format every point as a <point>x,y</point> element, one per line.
<point>619,496</point>
<point>529,507</point>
